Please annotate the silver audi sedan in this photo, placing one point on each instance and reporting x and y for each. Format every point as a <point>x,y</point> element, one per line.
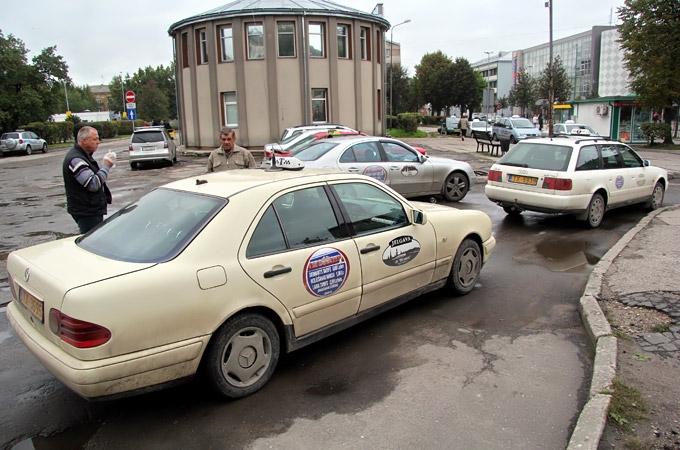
<point>393,162</point>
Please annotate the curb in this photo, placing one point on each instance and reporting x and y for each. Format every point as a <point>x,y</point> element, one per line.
<point>593,417</point>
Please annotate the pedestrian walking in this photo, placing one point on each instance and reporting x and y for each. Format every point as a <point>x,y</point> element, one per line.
<point>87,194</point>
<point>540,121</point>
<point>463,125</point>
<point>535,121</point>
<point>228,155</point>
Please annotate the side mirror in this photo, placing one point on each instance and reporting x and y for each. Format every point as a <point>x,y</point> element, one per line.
<point>422,158</point>
<point>646,163</point>
<point>419,217</point>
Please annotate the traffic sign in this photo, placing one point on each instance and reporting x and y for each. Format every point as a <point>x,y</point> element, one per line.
<point>130,96</point>
<point>131,105</point>
<point>131,114</point>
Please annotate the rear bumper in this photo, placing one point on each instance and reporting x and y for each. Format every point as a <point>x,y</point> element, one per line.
<point>114,375</point>
<point>150,155</point>
<point>537,201</point>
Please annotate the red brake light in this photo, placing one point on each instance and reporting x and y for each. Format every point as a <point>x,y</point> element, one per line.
<point>76,332</point>
<point>557,184</point>
<point>268,154</point>
<point>165,145</point>
<point>495,175</point>
<point>21,141</point>
<point>130,147</point>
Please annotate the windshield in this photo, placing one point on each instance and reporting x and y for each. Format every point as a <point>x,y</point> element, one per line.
<point>154,229</point>
<point>538,156</point>
<point>147,136</point>
<point>522,123</point>
<point>292,137</point>
<point>315,151</point>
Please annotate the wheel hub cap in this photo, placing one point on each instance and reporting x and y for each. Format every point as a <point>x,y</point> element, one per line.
<point>247,357</point>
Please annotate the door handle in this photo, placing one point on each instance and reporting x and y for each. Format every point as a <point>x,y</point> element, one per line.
<point>369,248</point>
<point>394,167</point>
<point>275,272</point>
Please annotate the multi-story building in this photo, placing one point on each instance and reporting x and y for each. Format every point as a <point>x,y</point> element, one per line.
<point>260,66</point>
<point>392,52</point>
<point>497,72</point>
<point>101,95</point>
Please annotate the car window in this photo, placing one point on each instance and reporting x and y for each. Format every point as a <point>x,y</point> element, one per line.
<point>147,136</point>
<point>307,218</point>
<point>291,136</point>
<point>362,152</point>
<point>522,123</point>
<point>538,156</point>
<point>267,237</point>
<point>399,153</point>
<point>153,229</point>
<point>370,209</point>
<point>610,157</point>
<point>315,151</point>
<point>630,159</point>
<point>588,159</point>
<point>10,136</point>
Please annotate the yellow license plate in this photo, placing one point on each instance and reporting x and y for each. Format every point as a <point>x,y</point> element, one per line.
<point>523,180</point>
<point>31,303</point>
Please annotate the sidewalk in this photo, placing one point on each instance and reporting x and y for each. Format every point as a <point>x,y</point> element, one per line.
<point>637,339</point>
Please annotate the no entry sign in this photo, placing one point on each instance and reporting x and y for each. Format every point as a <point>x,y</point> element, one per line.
<point>130,96</point>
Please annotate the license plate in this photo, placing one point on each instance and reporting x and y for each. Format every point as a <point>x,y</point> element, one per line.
<point>522,180</point>
<point>31,303</point>
<point>148,147</point>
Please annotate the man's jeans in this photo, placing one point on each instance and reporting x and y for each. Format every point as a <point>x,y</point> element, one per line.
<point>86,223</point>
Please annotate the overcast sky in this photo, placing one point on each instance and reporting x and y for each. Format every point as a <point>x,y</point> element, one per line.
<point>99,39</point>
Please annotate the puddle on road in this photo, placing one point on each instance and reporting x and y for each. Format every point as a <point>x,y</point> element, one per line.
<point>328,387</point>
<point>31,198</point>
<point>560,255</point>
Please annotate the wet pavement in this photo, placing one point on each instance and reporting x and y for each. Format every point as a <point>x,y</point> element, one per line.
<point>506,366</point>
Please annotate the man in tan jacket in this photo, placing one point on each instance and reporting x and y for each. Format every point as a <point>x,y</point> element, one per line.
<point>229,156</point>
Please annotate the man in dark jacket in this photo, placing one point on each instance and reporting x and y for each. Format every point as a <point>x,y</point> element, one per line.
<point>85,182</point>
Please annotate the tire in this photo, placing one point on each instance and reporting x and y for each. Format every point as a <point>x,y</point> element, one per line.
<point>596,210</point>
<point>134,166</point>
<point>656,200</point>
<point>512,210</point>
<point>467,264</point>
<point>242,355</point>
<point>28,150</point>
<point>174,158</point>
<point>44,148</point>
<point>513,141</point>
<point>456,187</point>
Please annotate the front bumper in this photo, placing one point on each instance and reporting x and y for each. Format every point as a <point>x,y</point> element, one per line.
<point>488,247</point>
<point>114,375</point>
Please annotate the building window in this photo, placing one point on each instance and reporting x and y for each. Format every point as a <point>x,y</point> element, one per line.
<point>185,50</point>
<point>344,39</point>
<point>201,47</point>
<point>319,105</point>
<point>255,39</point>
<point>230,109</point>
<point>365,39</point>
<point>317,41</point>
<point>378,35</point>
<point>379,105</point>
<point>286,32</point>
<point>226,42</point>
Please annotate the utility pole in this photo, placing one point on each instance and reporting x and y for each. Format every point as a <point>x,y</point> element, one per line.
<point>392,59</point>
<point>551,91</point>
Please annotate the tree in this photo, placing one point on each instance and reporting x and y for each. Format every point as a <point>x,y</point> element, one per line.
<point>650,37</point>
<point>467,90</point>
<point>522,93</point>
<point>400,88</point>
<point>434,82</point>
<point>152,102</point>
<point>562,85</point>
<point>164,78</point>
<point>80,98</point>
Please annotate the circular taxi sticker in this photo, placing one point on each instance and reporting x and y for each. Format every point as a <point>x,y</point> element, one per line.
<point>619,182</point>
<point>326,270</point>
<point>377,172</point>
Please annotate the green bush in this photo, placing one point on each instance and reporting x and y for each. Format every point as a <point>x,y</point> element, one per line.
<point>432,120</point>
<point>653,130</point>
<point>408,121</point>
<point>391,121</point>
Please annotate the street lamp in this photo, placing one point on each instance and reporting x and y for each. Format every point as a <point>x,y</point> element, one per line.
<point>122,95</point>
<point>392,58</point>
<point>66,95</point>
<point>489,97</point>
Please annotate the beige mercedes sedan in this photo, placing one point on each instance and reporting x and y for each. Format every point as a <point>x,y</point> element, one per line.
<point>227,272</point>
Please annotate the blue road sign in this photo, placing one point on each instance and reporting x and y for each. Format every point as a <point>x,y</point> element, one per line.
<point>131,113</point>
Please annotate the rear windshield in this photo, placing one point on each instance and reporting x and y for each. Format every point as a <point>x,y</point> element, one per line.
<point>315,151</point>
<point>10,136</point>
<point>291,137</point>
<point>147,136</point>
<point>154,229</point>
<point>522,123</point>
<point>538,156</point>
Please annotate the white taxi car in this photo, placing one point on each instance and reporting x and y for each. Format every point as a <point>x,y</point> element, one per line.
<point>230,270</point>
<point>582,176</point>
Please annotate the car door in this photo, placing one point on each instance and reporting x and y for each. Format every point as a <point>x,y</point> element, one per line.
<point>615,175</point>
<point>407,174</point>
<point>639,181</point>
<point>397,256</point>
<point>300,251</point>
<point>364,158</point>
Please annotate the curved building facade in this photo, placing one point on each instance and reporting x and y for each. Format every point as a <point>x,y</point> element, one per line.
<point>261,66</point>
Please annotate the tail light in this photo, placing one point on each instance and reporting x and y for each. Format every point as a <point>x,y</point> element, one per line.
<point>21,141</point>
<point>268,154</point>
<point>165,145</point>
<point>76,332</point>
<point>130,147</point>
<point>495,175</point>
<point>557,184</point>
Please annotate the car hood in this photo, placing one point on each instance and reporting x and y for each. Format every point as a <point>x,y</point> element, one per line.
<point>431,207</point>
<point>452,163</point>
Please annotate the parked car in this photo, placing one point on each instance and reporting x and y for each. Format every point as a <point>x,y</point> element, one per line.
<point>151,144</point>
<point>513,129</point>
<point>296,130</point>
<point>394,163</point>
<point>450,125</point>
<point>302,137</point>
<point>306,139</point>
<point>481,126</point>
<point>22,141</point>
<point>581,176</point>
<point>160,291</point>
<point>571,128</point>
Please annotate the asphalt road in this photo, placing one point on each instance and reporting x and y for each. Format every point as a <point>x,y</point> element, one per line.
<point>506,366</point>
